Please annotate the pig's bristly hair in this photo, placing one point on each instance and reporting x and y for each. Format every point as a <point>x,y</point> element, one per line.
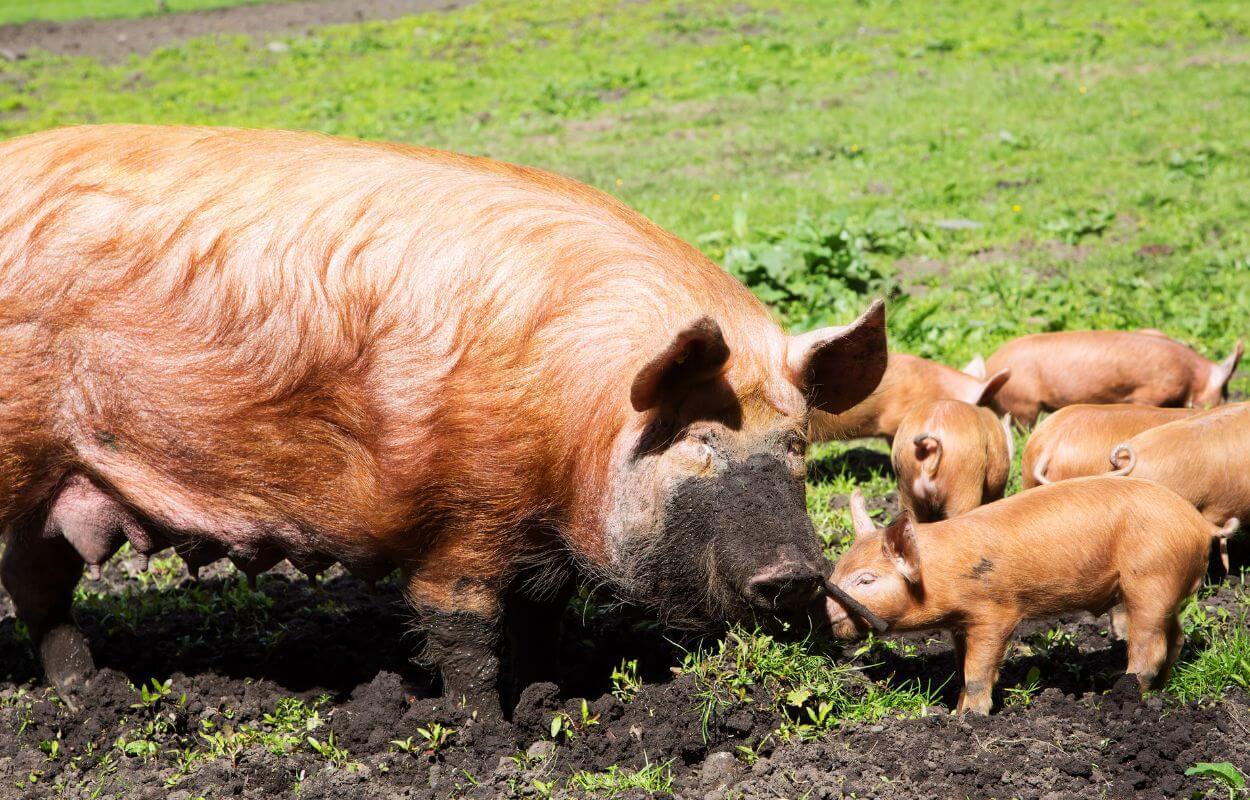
<point>355,342</point>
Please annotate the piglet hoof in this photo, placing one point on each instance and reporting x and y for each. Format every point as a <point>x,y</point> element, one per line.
<point>67,663</point>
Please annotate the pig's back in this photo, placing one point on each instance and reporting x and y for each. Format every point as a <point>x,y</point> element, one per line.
<point>1076,440</point>
<point>908,381</point>
<point>1076,538</point>
<point>236,328</point>
<point>1070,367</point>
<point>1081,520</point>
<point>1204,458</point>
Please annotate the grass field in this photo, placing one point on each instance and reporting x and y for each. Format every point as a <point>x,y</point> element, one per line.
<point>1051,167</point>
<point>995,171</point>
<point>12,11</point>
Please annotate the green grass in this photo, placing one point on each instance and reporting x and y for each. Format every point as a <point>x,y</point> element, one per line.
<point>994,169</point>
<point>12,11</point>
<point>1073,136</point>
<point>813,693</point>
<point>1219,644</point>
<point>654,779</point>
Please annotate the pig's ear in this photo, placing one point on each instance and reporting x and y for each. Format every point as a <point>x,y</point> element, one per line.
<point>898,542</point>
<point>1011,440</point>
<point>860,521</point>
<point>838,367</point>
<point>982,393</point>
<point>1229,365</point>
<point>976,368</point>
<point>696,353</point>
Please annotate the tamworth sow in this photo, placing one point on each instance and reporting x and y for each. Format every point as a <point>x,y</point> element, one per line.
<point>265,345</point>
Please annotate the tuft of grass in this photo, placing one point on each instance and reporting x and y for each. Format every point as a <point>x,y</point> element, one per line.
<point>1222,662</point>
<point>651,778</point>
<point>813,693</point>
<point>625,681</point>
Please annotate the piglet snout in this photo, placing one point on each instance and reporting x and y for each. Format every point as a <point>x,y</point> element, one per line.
<point>784,585</point>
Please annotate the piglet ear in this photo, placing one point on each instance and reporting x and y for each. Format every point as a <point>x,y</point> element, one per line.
<point>838,367</point>
<point>696,353</point>
<point>860,521</point>
<point>982,394</point>
<point>898,542</point>
<point>976,368</point>
<point>1229,365</point>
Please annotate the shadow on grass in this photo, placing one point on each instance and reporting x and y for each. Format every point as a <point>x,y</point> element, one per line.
<point>860,464</point>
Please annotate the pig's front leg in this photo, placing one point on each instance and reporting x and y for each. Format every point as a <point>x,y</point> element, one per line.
<point>983,649</point>
<point>460,618</point>
<point>533,627</point>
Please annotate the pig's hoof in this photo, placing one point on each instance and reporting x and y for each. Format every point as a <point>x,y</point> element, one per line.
<point>67,663</point>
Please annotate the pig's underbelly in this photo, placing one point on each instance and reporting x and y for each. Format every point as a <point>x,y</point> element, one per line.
<point>96,523</point>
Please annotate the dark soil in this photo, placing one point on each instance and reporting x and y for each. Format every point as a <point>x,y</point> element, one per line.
<point>114,39</point>
<point>235,655</point>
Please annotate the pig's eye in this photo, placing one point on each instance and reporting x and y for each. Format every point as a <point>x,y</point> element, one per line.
<point>696,448</point>
<point>797,447</point>
<point>703,453</point>
<point>865,579</point>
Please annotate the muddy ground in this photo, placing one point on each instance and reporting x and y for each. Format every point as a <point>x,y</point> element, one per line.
<point>235,654</point>
<point>111,40</point>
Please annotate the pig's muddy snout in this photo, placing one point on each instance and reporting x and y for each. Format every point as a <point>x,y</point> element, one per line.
<point>788,584</point>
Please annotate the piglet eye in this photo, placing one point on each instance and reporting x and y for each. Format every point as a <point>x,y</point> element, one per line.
<point>864,580</point>
<point>797,447</point>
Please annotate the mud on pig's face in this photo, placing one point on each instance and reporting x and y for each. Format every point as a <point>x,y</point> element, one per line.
<point>711,512</point>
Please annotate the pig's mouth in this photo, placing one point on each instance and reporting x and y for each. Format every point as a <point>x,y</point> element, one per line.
<point>854,607</point>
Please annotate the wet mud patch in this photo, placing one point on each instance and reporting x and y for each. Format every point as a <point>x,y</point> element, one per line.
<point>258,693</point>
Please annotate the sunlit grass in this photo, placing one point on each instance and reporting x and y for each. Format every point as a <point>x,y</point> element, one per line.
<point>61,10</point>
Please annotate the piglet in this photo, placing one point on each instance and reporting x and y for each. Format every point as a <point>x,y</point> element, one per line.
<point>1080,545</point>
<point>1053,370</point>
<point>951,457</point>
<point>1205,459</point>
<point>908,380</point>
<point>1074,441</point>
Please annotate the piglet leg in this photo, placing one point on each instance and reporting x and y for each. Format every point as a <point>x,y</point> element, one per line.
<point>984,646</point>
<point>1118,617</point>
<point>40,574</point>
<point>1150,638</point>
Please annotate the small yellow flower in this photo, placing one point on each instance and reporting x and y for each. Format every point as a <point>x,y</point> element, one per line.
<point>620,182</point>
<point>854,148</point>
<point>1015,208</point>
<point>1082,90</point>
<point>746,48</point>
<point>1133,112</point>
<point>715,197</point>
